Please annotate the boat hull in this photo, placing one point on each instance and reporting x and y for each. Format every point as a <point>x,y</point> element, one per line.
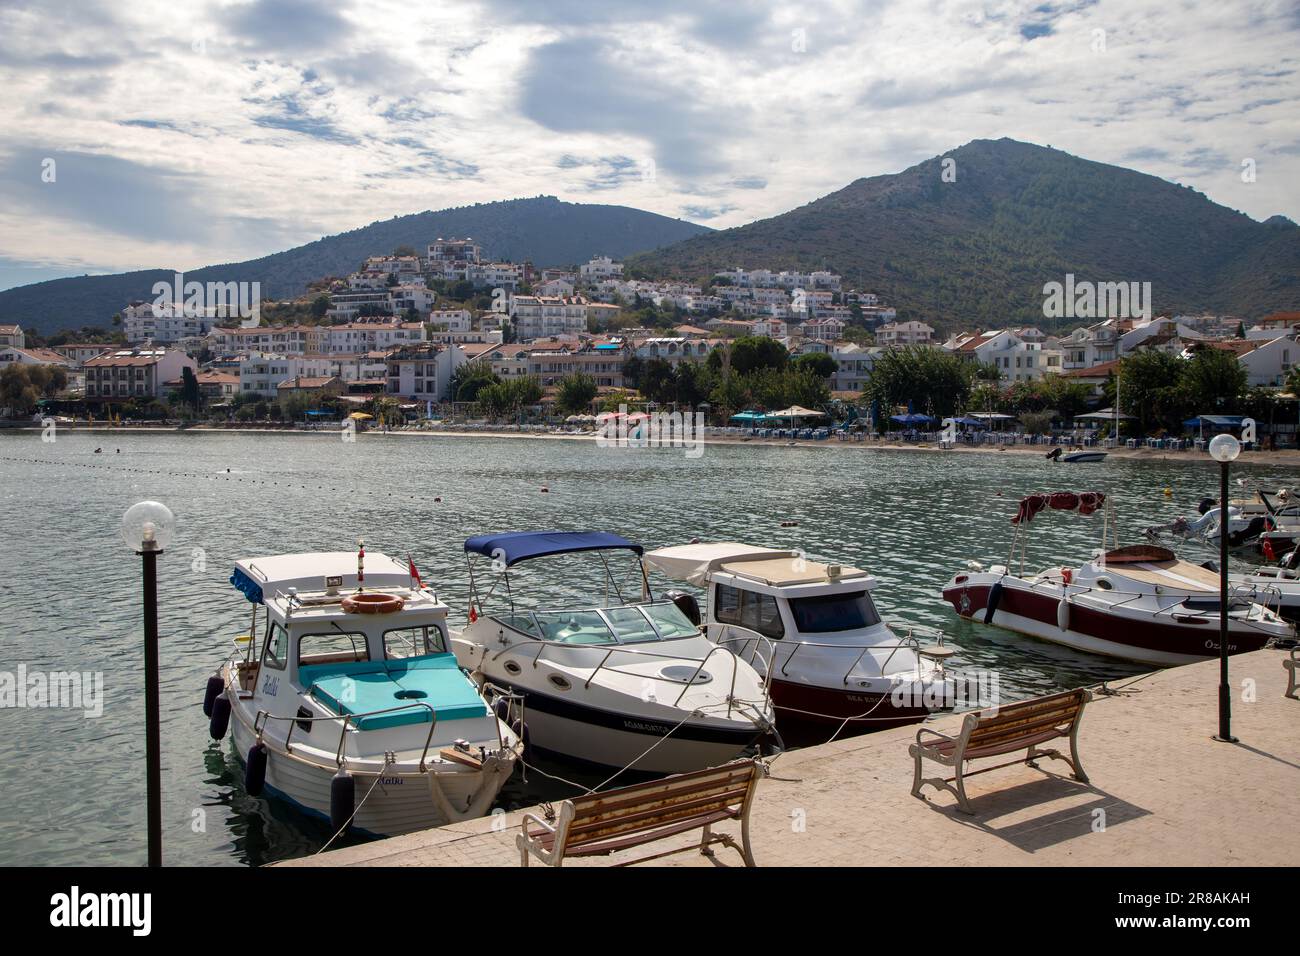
<point>402,802</point>
<point>808,714</point>
<point>1137,638</point>
<point>620,740</point>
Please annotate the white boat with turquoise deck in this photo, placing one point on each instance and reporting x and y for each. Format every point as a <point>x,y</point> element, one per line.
<point>351,705</point>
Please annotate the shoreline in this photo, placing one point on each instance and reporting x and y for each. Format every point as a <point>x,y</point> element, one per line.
<point>1279,457</point>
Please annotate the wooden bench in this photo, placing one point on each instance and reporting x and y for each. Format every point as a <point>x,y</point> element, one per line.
<point>1002,730</point>
<point>1291,663</point>
<point>601,823</point>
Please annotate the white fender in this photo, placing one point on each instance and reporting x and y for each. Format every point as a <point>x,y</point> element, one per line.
<point>1063,613</point>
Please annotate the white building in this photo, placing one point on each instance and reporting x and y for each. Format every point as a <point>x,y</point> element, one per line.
<point>262,374</point>
<point>537,317</point>
<point>456,320</point>
<point>904,333</point>
<point>12,335</point>
<point>1270,363</point>
<point>600,267</point>
<point>145,322</point>
<point>134,374</point>
<point>423,373</point>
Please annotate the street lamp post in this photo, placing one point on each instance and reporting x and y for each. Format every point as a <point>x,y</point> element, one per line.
<point>147,529</point>
<point>1224,449</point>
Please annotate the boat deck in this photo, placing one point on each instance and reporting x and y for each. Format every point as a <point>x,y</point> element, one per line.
<point>1162,794</point>
<point>1172,574</point>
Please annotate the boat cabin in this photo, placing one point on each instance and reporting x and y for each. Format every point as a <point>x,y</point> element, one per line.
<point>778,594</point>
<point>384,669</point>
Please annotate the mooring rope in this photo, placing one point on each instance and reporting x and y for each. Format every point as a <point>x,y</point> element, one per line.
<point>388,759</point>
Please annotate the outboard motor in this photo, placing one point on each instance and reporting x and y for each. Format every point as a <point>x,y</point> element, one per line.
<point>1054,454</point>
<point>1290,561</point>
<point>687,604</point>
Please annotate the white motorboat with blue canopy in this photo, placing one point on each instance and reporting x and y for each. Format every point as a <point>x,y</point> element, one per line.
<point>623,683</point>
<point>351,705</point>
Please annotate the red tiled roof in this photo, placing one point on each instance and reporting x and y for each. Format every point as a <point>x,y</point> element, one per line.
<point>1101,370</point>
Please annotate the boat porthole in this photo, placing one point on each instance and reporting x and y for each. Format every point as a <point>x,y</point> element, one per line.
<point>559,681</point>
<point>512,667</point>
<point>1104,584</point>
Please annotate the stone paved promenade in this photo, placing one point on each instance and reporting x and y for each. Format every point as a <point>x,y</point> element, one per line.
<point>1169,794</point>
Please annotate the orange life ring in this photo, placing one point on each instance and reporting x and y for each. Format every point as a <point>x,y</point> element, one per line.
<point>372,602</point>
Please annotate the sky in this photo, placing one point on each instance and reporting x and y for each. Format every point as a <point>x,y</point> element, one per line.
<point>142,134</point>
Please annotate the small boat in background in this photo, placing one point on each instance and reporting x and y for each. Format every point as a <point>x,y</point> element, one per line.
<point>1083,456</point>
<point>1074,455</point>
<point>1139,603</point>
<point>352,707</point>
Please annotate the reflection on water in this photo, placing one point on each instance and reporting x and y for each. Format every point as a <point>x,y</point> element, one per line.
<point>72,789</point>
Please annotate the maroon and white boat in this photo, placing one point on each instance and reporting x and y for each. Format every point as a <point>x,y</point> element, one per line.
<point>1138,603</point>
<point>835,667</point>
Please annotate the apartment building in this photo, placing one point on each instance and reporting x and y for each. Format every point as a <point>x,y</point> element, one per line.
<point>134,374</point>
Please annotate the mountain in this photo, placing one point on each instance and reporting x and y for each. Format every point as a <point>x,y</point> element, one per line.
<point>977,251</point>
<point>542,229</point>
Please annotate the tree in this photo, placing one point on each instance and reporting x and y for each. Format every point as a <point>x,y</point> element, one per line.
<point>576,393</point>
<point>1151,389</point>
<point>925,378</point>
<point>190,394</point>
<point>1214,379</point>
<point>469,379</point>
<point>319,306</point>
<point>819,363</point>
<point>750,352</point>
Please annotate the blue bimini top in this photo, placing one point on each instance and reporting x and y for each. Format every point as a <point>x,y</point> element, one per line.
<point>516,546</point>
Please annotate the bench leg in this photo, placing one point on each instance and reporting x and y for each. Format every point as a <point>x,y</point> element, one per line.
<point>704,841</point>
<point>523,858</point>
<point>746,850</point>
<point>916,777</point>
<point>1290,683</point>
<point>963,804</point>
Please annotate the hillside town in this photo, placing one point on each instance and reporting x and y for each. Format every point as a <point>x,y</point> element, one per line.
<point>410,337</point>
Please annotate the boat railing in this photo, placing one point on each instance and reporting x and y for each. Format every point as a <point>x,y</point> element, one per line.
<point>259,726</point>
<point>1238,592</point>
<point>910,642</point>
<point>544,645</point>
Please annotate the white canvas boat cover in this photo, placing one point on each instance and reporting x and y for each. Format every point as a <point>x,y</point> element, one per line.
<point>307,572</point>
<point>694,562</point>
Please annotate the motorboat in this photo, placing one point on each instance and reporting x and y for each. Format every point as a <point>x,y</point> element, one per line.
<point>1079,457</point>
<point>1243,531</point>
<point>836,667</point>
<point>623,682</point>
<point>1138,603</point>
<point>351,705</point>
<point>1276,586</point>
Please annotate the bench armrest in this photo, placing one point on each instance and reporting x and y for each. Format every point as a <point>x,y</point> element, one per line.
<point>932,733</point>
<point>533,818</point>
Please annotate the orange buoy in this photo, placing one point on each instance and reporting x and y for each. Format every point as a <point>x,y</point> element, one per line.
<point>372,602</point>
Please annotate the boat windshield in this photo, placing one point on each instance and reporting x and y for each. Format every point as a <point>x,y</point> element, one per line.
<point>834,612</point>
<point>631,624</point>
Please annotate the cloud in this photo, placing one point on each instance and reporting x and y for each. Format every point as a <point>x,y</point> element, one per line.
<point>214,131</point>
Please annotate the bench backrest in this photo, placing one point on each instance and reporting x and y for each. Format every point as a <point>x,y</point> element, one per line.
<point>1026,718</point>
<point>648,806</point>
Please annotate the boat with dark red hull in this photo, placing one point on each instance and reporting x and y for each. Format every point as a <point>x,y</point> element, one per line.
<point>835,667</point>
<point>1139,603</point>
